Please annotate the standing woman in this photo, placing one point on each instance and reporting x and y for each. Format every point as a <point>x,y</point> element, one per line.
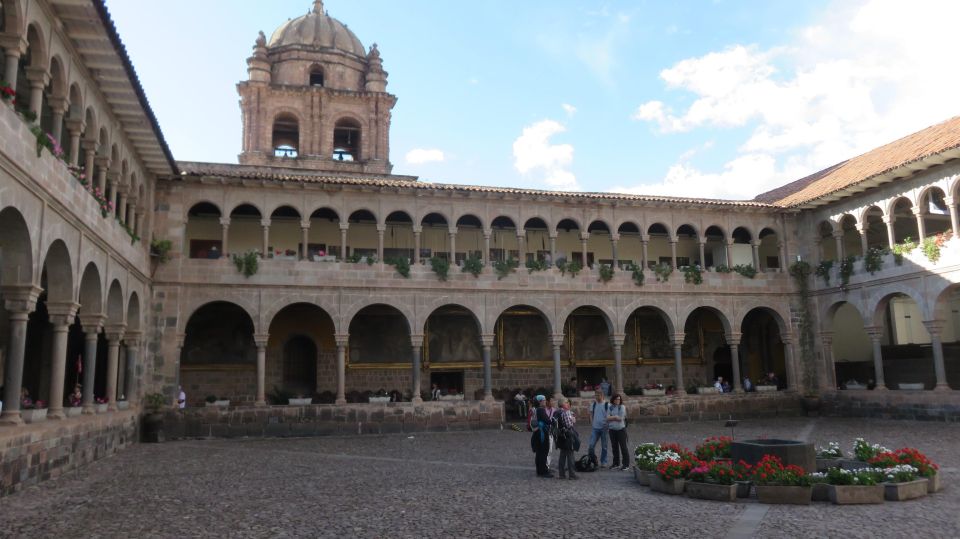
<point>540,439</point>
<point>617,421</point>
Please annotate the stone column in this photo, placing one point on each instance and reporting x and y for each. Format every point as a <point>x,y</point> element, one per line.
<point>864,244</point>
<point>733,340</point>
<point>261,341</point>
<point>952,205</point>
<point>486,344</point>
<point>38,78</point>
<point>453,246</point>
<point>120,205</point>
<point>838,239</point>
<point>616,341</point>
<point>132,341</point>
<point>380,230</point>
<point>486,247</point>
<point>584,236</point>
<point>342,342</point>
<point>138,218</point>
<point>20,301</point>
<point>224,236</point>
<point>75,128</point>
<point>935,329</point>
<point>13,53</point>
<point>876,333</point>
<point>92,325</point>
<point>782,256</point>
<point>788,359</point>
<point>729,253</point>
<point>343,240</point>
<point>891,235</point>
<point>417,342</point>
<point>128,210</point>
<point>61,316</point>
<point>755,247</point>
<point>522,246</point>
<point>90,156</point>
<point>673,253</point>
<point>703,254</point>
<point>644,242</point>
<point>102,164</point>
<point>304,240</point>
<point>921,226</point>
<point>265,227</point>
<point>58,107</point>
<point>416,244</point>
<point>828,379</point>
<point>114,334</point>
<point>556,341</point>
<point>677,341</point>
<point>614,239</point>
<point>553,249</point>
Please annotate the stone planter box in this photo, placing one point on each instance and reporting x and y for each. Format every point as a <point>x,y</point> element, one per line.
<point>707,391</point>
<point>898,492</point>
<point>218,404</point>
<point>301,402</point>
<point>34,415</point>
<point>910,387</point>
<point>856,494</point>
<point>100,408</point>
<point>821,492</point>
<point>853,464</point>
<point>642,476</point>
<point>824,464</point>
<point>666,486</point>
<point>856,386</point>
<point>933,483</point>
<point>743,488</point>
<point>445,398</point>
<point>377,400</point>
<point>654,392</point>
<point>765,389</point>
<point>779,494</point>
<point>123,405</point>
<point>587,394</point>
<point>73,411</point>
<point>711,491</point>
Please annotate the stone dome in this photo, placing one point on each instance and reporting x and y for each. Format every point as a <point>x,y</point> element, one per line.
<point>317,30</point>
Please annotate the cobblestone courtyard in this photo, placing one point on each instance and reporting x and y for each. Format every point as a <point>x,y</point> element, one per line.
<point>470,484</point>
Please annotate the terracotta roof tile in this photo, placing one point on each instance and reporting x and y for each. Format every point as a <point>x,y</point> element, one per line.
<point>931,146</point>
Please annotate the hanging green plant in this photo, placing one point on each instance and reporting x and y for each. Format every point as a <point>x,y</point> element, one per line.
<point>847,269</point>
<point>823,271</point>
<point>247,263</point>
<point>401,265</point>
<point>537,265</point>
<point>747,270</point>
<point>473,265</point>
<point>663,271</point>
<point>574,268</point>
<point>873,261</point>
<point>440,266</point>
<point>636,273</point>
<point>505,267</point>
<point>606,273</point>
<point>354,258</point>
<point>562,265</point>
<point>723,268</point>
<point>160,249</point>
<point>902,248</point>
<point>692,274</point>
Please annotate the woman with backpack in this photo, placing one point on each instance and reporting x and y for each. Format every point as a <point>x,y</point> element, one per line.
<point>540,439</point>
<point>617,425</point>
<point>568,440</point>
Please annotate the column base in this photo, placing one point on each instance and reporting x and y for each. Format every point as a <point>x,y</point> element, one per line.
<point>340,401</point>
<point>416,400</point>
<point>11,417</point>
<point>56,414</point>
<point>739,390</point>
<point>260,403</point>
<point>88,410</point>
<point>488,398</point>
<point>942,387</point>
<point>881,387</point>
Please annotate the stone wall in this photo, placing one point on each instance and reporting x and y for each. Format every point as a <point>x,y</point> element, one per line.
<point>42,451</point>
<point>912,405</point>
<point>319,420</point>
<point>670,409</point>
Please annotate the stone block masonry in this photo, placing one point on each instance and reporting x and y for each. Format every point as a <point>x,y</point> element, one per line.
<point>911,405</point>
<point>50,449</point>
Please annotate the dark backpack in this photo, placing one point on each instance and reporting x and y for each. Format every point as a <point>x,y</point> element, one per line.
<point>587,463</point>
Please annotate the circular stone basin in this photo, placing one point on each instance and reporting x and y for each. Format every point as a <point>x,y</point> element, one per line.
<point>795,452</point>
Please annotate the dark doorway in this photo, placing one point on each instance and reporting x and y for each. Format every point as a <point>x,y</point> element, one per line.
<point>300,365</point>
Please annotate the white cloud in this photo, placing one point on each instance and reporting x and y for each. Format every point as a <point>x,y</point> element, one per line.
<point>419,156</point>
<point>534,155</point>
<point>569,109</point>
<point>862,75</point>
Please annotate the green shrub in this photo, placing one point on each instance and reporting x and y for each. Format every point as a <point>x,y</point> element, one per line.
<point>692,274</point>
<point>747,270</point>
<point>847,269</point>
<point>441,267</point>
<point>401,265</point>
<point>247,263</point>
<point>606,273</point>
<point>505,267</point>
<point>636,272</point>
<point>873,261</point>
<point>537,265</point>
<point>823,271</point>
<point>574,268</point>
<point>663,271</point>
<point>473,264</point>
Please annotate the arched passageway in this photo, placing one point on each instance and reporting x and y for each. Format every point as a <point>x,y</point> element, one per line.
<point>219,355</point>
<point>301,353</point>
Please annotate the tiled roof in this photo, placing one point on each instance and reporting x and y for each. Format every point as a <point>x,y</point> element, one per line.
<point>226,170</point>
<point>923,149</point>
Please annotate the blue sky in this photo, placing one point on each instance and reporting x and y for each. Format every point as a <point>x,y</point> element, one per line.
<point>713,99</point>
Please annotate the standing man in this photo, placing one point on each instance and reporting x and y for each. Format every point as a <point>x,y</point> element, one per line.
<point>598,417</point>
<point>605,386</point>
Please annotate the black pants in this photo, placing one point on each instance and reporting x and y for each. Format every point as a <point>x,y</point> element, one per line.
<point>618,439</point>
<point>542,448</point>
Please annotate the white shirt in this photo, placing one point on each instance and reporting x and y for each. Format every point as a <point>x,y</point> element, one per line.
<point>182,399</point>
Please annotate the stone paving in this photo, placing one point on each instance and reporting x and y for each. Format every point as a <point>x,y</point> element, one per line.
<point>469,484</point>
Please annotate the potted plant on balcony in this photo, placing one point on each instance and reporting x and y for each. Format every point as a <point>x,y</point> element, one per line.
<point>160,250</point>
<point>122,403</point>
<point>848,487</point>
<point>779,484</point>
<point>300,400</point>
<point>153,418</point>
<point>33,411</point>
<point>712,481</point>
<point>101,404</point>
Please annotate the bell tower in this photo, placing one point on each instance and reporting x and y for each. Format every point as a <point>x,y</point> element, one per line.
<point>316,99</point>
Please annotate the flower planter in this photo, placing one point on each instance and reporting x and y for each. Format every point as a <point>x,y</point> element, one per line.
<point>587,394</point>
<point>856,494</point>
<point>73,411</point>
<point>666,486</point>
<point>933,483</point>
<point>34,415</point>
<point>445,398</point>
<point>853,464</point>
<point>654,392</point>
<point>301,402</point>
<point>821,492</point>
<point>100,408</point>
<point>765,389</point>
<point>708,391</point>
<point>642,476</point>
<point>825,464</point>
<point>379,400</point>
<point>123,405</point>
<point>743,488</point>
<point>910,387</point>
<point>780,494</point>
<point>898,492</point>
<point>711,491</point>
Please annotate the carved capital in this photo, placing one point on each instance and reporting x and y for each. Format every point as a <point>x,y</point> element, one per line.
<point>62,314</point>
<point>264,222</point>
<point>487,339</point>
<point>225,221</point>
<point>114,333</point>
<point>133,338</point>
<point>20,299</point>
<point>341,339</point>
<point>934,327</point>
<point>416,340</point>
<point>676,339</point>
<point>875,332</point>
<point>556,340</point>
<point>92,323</point>
<point>826,337</point>
<point>260,339</point>
<point>38,76</point>
<point>733,338</point>
<point>617,339</point>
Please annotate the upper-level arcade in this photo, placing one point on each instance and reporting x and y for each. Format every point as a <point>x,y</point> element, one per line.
<point>316,99</point>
